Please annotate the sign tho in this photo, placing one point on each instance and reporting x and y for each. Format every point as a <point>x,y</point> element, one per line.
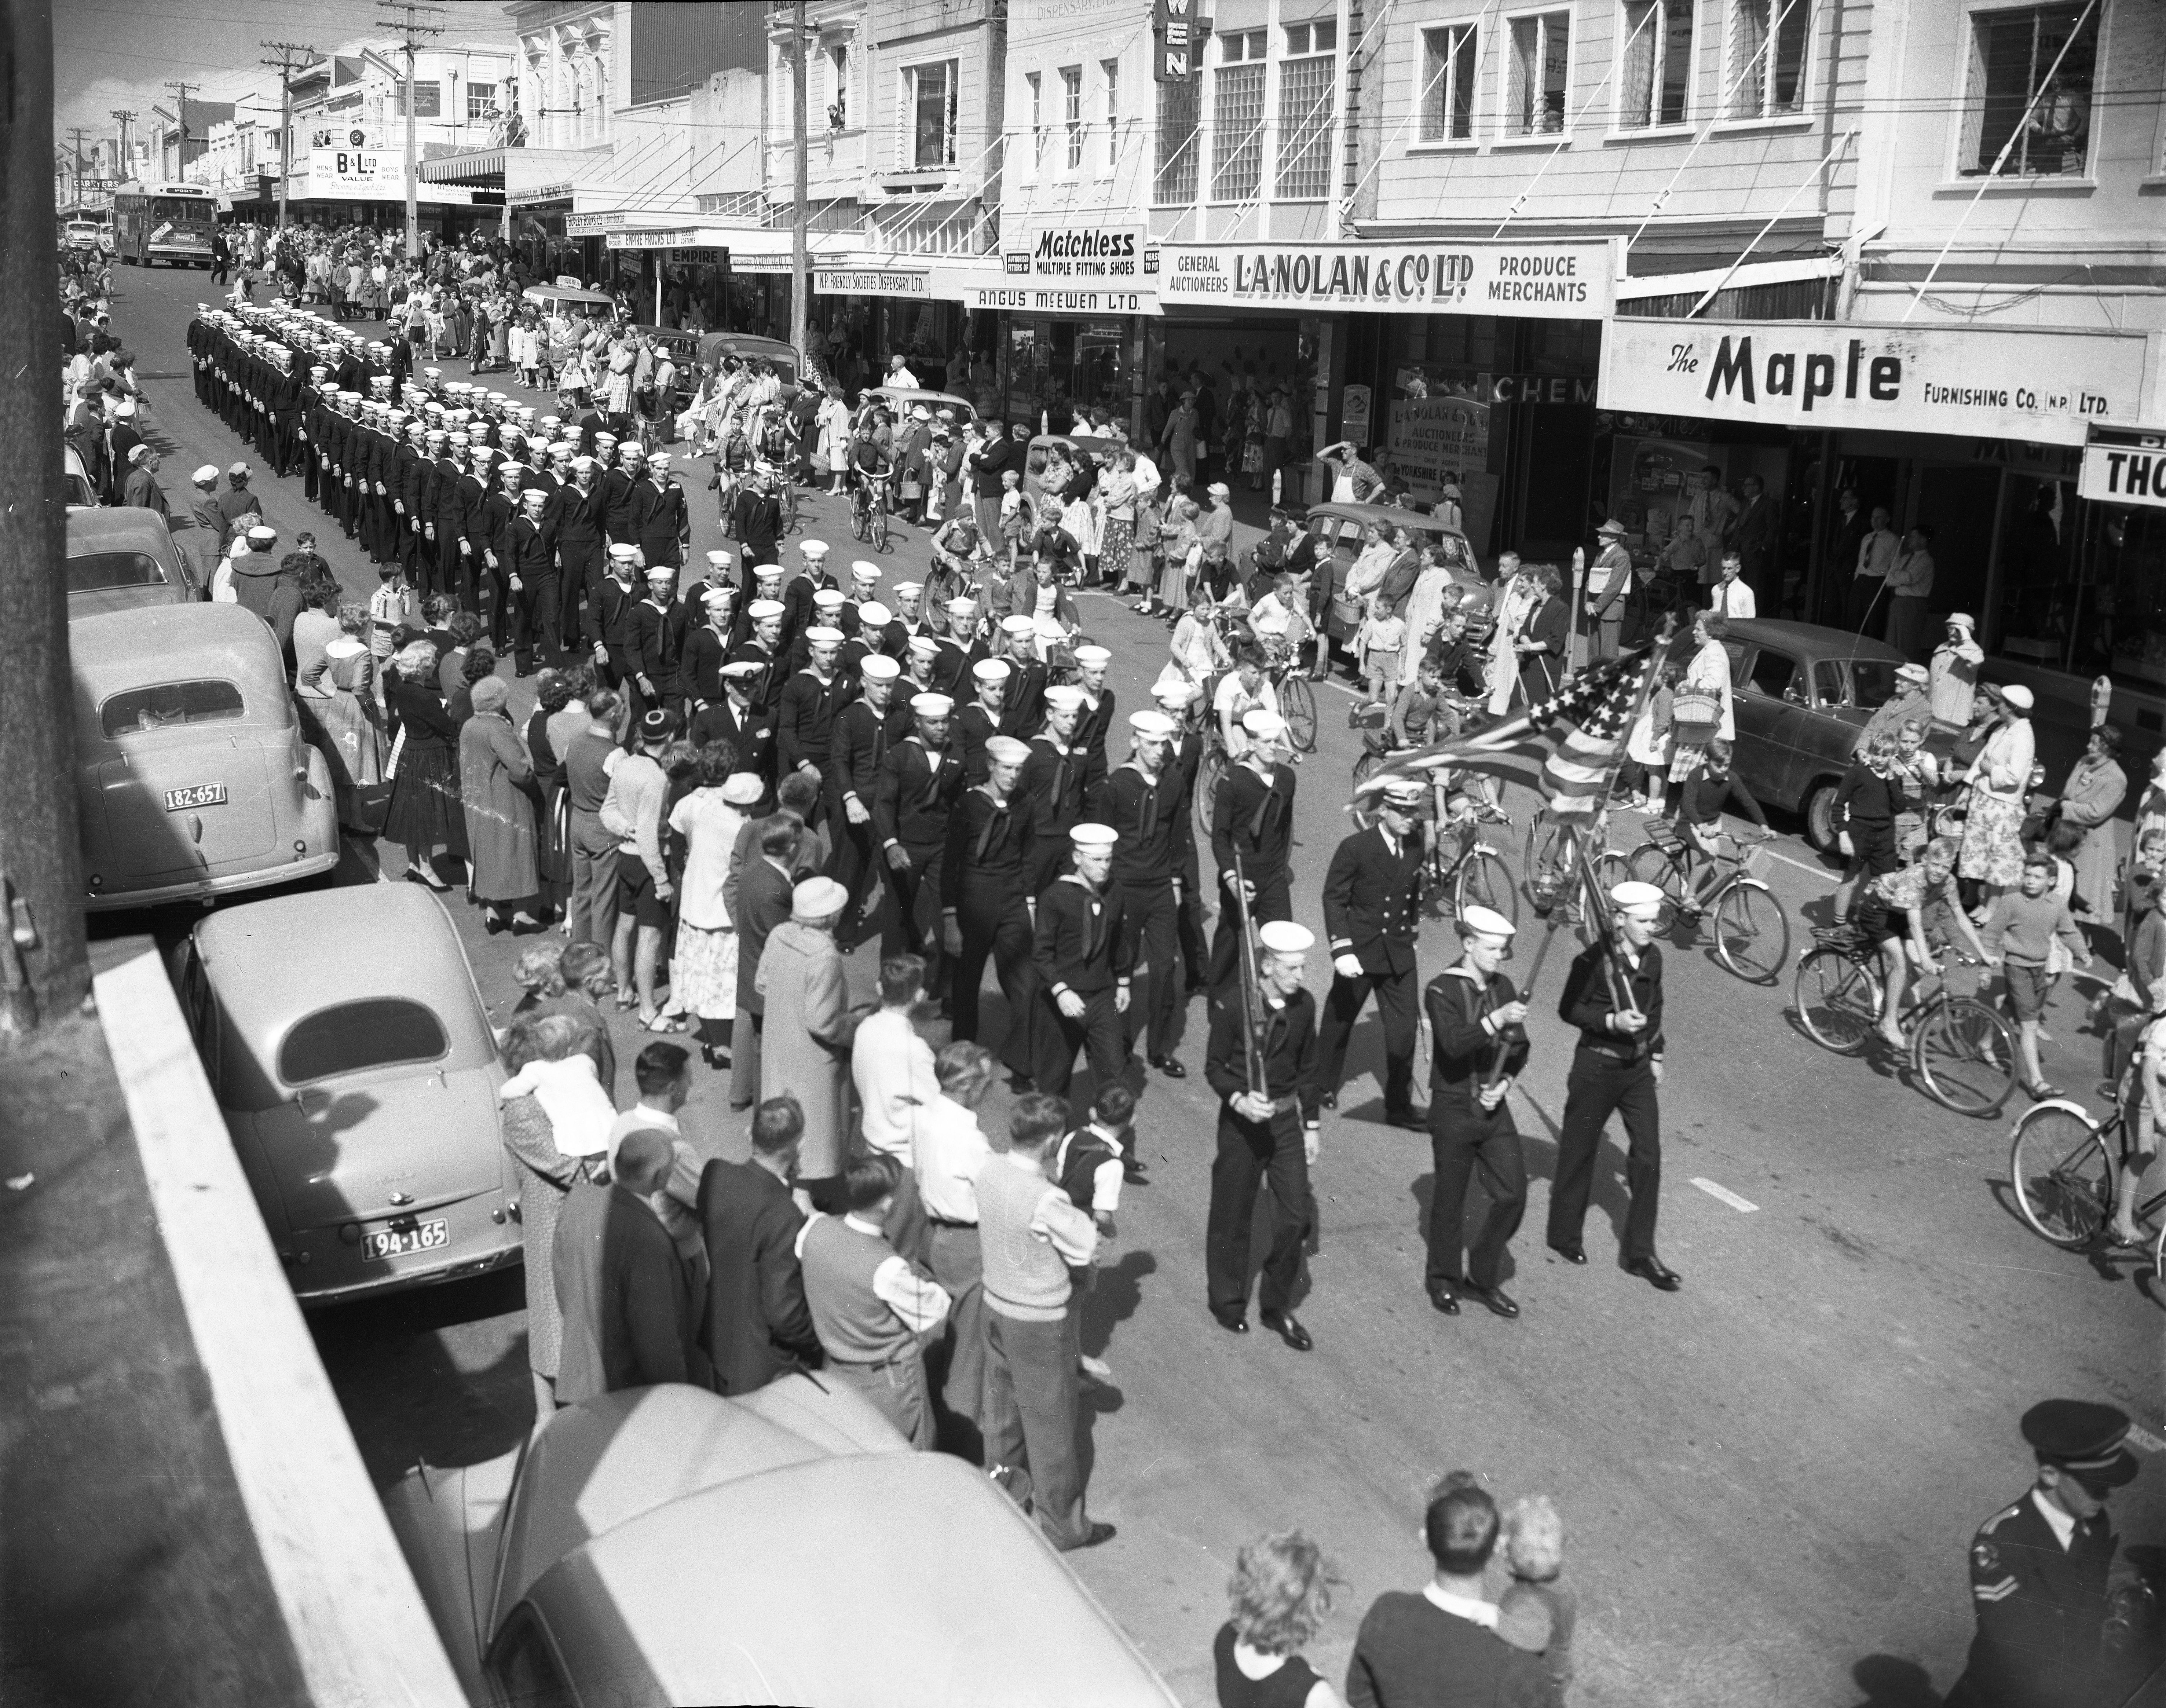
<point>2124,465</point>
<point>1173,26</point>
<point>1539,281</point>
<point>2045,387</point>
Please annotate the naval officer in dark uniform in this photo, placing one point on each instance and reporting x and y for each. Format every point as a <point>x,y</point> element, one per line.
<point>1372,914</point>
<point>1614,994</point>
<point>2041,1569</point>
<point>1479,1027</point>
<point>1266,1132</point>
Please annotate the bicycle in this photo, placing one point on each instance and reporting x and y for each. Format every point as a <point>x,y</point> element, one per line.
<point>1297,701</point>
<point>784,487</point>
<point>1751,927</point>
<point>1476,876</point>
<point>868,510</point>
<point>1961,1049</point>
<point>1559,886</point>
<point>2066,1177</point>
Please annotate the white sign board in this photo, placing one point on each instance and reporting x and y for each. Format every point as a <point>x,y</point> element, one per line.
<point>1080,264</point>
<point>2042,387</point>
<point>377,171</point>
<point>2124,465</point>
<point>1534,281</point>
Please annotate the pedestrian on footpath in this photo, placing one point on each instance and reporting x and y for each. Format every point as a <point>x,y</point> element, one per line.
<point>625,1299</point>
<point>757,1324</point>
<point>1614,994</point>
<point>1281,1593</point>
<point>1372,915</point>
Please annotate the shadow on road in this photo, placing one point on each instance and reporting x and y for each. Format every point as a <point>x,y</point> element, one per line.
<point>1889,1682</point>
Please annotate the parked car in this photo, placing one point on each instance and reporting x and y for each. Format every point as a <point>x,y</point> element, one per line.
<point>354,1063</point>
<point>573,300</point>
<point>81,493</point>
<point>1802,693</point>
<point>749,347</point>
<point>665,1544</point>
<point>1339,527</point>
<point>900,401</point>
<point>124,558</point>
<point>193,778</point>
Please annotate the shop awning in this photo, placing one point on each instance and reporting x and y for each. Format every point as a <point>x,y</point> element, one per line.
<point>519,172</point>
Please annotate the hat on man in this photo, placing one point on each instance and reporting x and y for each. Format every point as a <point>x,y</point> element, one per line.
<point>1636,900</point>
<point>820,635</point>
<point>1173,692</point>
<point>1403,792</point>
<point>1612,527</point>
<point>1284,937</point>
<point>2083,1437</point>
<point>863,571</point>
<point>873,614</point>
<point>764,610</point>
<point>817,898</point>
<point>1264,724</point>
<point>136,453</point>
<point>931,705</point>
<point>1084,836</point>
<point>1485,922</point>
<point>990,670</point>
<point>739,669</point>
<point>622,550</point>
<point>714,598</point>
<point>767,572</point>
<point>743,789</point>
<point>205,476</point>
<point>963,607</point>
<point>1153,726</point>
<point>1064,696</point>
<point>718,560</point>
<point>662,572</point>
<point>1018,626</point>
<point>657,726</point>
<point>1006,750</point>
<point>1912,673</point>
<point>908,589</point>
<point>920,413</point>
<point>658,459</point>
<point>1093,658</point>
<point>814,549</point>
<point>829,599</point>
<point>2017,695</point>
<point>877,667</point>
<point>1962,619</point>
<point>923,646</point>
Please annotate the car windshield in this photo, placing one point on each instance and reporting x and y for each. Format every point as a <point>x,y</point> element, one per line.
<point>173,208</point>
<point>136,709</point>
<point>95,571</point>
<point>378,1032</point>
<point>1874,682</point>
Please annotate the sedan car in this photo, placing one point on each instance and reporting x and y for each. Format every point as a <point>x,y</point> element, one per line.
<point>124,558</point>
<point>356,1068</point>
<point>900,401</point>
<point>1338,528</point>
<point>665,1544</point>
<point>749,347</point>
<point>81,493</point>
<point>193,778</point>
<point>1801,694</point>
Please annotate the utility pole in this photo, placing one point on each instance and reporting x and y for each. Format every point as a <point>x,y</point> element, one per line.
<point>413,28</point>
<point>74,156</point>
<point>180,113</point>
<point>291,54</point>
<point>122,171</point>
<point>45,970</point>
<point>801,277</point>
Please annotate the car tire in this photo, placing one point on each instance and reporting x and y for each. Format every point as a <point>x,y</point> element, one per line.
<point>1819,815</point>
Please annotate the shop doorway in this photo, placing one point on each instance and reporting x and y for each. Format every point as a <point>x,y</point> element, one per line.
<point>1958,503</point>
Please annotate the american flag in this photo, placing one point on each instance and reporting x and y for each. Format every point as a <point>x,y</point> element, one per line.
<point>1578,738</point>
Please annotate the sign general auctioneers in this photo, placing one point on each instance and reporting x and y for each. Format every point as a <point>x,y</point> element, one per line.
<point>1540,281</point>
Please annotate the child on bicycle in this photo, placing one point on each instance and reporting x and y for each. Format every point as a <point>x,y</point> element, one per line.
<point>2143,1112</point>
<point>2027,921</point>
<point>1701,801</point>
<point>1896,907</point>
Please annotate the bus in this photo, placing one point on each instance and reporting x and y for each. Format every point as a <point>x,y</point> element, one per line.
<point>169,222</point>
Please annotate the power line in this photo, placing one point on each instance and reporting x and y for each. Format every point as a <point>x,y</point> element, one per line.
<point>414,31</point>
<point>291,55</point>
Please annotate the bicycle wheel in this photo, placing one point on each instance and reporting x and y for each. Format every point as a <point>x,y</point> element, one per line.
<point>1964,1054</point>
<point>1207,777</point>
<point>1484,881</point>
<point>2063,1175</point>
<point>859,525</point>
<point>1837,1000</point>
<point>879,529</point>
<point>1651,864</point>
<point>1751,932</point>
<point>1297,706</point>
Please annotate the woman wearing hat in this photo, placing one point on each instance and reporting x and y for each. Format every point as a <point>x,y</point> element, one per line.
<point>807,1028</point>
<point>1954,671</point>
<point>2088,800</point>
<point>1998,778</point>
<point>496,775</point>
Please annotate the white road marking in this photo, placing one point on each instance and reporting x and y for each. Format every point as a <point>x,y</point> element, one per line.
<point>1724,1194</point>
<point>1820,872</point>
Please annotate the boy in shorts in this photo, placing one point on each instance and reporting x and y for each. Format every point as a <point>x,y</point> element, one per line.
<point>2143,1112</point>
<point>2022,929</point>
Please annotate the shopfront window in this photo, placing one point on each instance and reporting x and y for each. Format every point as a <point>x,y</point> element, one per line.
<point>2123,617</point>
<point>1058,368</point>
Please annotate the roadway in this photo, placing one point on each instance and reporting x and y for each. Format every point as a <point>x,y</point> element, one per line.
<point>1768,1480</point>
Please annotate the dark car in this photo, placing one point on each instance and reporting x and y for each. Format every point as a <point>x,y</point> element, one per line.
<point>683,348</point>
<point>1802,693</point>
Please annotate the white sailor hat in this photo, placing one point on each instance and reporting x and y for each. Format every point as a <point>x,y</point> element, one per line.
<point>716,595</point>
<point>1155,726</point>
<point>1085,836</point>
<point>660,459</point>
<point>813,548</point>
<point>632,447</point>
<point>924,645</point>
<point>1484,922</point>
<point>1006,750</point>
<point>720,560</point>
<point>931,705</point>
<point>764,610</point>
<point>1093,658</point>
<point>1284,937</point>
<point>606,438</point>
<point>767,572</point>
<point>963,607</point>
<point>1264,724</point>
<point>1173,692</point>
<point>873,614</point>
<point>1639,899</point>
<point>1403,792</point>
<point>820,635</point>
<point>1064,696</point>
<point>663,572</point>
<point>531,493</point>
<point>863,571</point>
<point>1018,625</point>
<point>583,462</point>
<point>829,599</point>
<point>990,670</point>
<point>877,667</point>
<point>623,550</point>
<point>908,589</point>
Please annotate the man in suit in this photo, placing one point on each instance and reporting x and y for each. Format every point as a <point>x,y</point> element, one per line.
<point>1439,1648</point>
<point>760,901</point>
<point>1752,537</point>
<point>624,1294</point>
<point>1372,915</point>
<point>757,1326</point>
<point>2041,1570</point>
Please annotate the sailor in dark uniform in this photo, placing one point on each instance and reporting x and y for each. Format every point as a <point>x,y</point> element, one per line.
<point>855,752</point>
<point>1253,815</point>
<point>1083,960</point>
<point>2042,1571</point>
<point>1096,723</point>
<point>985,908</point>
<point>1478,1026</point>
<point>1141,800</point>
<point>1372,915</point>
<point>1049,792</point>
<point>920,778</point>
<point>979,722</point>
<point>1022,707</point>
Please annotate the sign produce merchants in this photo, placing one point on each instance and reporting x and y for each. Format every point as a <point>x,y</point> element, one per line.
<point>1537,281</point>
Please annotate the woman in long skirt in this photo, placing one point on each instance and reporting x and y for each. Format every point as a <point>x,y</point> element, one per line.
<point>424,788</point>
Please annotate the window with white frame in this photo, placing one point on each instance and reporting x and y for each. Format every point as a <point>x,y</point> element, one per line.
<point>1306,80</point>
<point>1174,175</point>
<point>837,57</point>
<point>1765,72</point>
<point>1654,76</point>
<point>481,99</point>
<point>2027,104</point>
<point>927,119</point>
<point>1448,62</point>
<point>1036,82</point>
<point>1110,69</point>
<point>1072,113</point>
<point>1237,125</point>
<point>1537,75</point>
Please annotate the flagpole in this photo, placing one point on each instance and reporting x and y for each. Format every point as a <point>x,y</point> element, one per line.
<point>1534,972</point>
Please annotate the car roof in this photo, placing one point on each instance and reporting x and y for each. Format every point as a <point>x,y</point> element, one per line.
<point>545,292</point>
<point>1389,514</point>
<point>908,394</point>
<point>946,1584</point>
<point>749,343</point>
<point>1811,642</point>
<point>120,528</point>
<point>274,961</point>
<point>115,649</point>
<point>1088,441</point>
